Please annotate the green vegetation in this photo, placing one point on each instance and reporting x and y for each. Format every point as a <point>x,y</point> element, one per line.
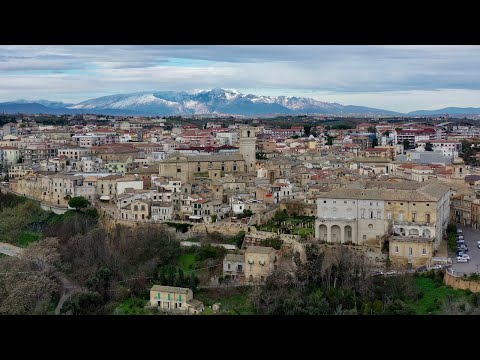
<point>26,237</point>
<point>237,240</point>
<point>187,261</point>
<point>234,301</point>
<point>78,202</point>
<point>132,306</point>
<point>435,294</point>
<point>452,237</point>
<point>296,225</point>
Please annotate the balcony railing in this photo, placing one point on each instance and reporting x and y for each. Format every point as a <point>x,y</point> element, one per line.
<point>324,218</point>
<point>413,223</point>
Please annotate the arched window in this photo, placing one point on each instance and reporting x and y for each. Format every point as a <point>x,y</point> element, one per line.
<point>248,133</point>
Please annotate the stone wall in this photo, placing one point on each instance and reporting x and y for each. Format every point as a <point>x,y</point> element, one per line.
<point>458,282</point>
<point>264,217</point>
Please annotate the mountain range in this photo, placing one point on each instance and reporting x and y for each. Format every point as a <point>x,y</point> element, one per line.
<point>206,102</point>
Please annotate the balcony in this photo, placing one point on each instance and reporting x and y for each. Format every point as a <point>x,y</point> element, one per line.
<point>414,223</point>
<point>323,218</point>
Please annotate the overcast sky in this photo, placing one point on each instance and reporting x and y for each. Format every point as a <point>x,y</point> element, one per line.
<point>399,78</point>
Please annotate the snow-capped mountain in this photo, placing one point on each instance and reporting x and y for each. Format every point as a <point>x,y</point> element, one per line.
<point>219,101</point>
<point>201,102</point>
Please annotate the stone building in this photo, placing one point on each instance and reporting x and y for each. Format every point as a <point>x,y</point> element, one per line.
<point>187,168</point>
<point>175,299</point>
<point>260,262</point>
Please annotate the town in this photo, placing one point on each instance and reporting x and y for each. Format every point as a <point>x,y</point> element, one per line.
<point>389,189</point>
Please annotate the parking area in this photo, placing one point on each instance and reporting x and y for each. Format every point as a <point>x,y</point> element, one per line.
<point>471,237</point>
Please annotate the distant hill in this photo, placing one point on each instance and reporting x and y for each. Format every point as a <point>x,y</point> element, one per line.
<point>448,110</point>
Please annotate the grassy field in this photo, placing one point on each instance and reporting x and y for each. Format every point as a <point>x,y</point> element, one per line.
<point>234,301</point>
<point>435,295</point>
<point>186,262</point>
<point>26,237</point>
<point>292,224</point>
<point>132,306</point>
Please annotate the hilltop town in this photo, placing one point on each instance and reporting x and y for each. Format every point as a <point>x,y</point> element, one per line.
<point>385,190</point>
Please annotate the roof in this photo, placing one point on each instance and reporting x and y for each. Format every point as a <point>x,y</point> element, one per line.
<point>196,304</point>
<point>200,158</point>
<point>390,190</point>
<point>259,249</point>
<point>170,289</point>
<point>235,257</point>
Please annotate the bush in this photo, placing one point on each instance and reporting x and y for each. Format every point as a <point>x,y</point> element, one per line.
<point>93,212</point>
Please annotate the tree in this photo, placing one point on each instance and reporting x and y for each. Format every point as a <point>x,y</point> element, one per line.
<point>78,202</point>
<point>428,146</point>
<point>406,144</point>
<point>214,218</point>
<point>307,129</point>
<point>372,130</point>
<point>374,142</point>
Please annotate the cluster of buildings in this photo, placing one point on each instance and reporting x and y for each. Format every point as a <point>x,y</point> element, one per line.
<point>381,183</point>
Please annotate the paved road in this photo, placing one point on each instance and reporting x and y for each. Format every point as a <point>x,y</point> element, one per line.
<point>471,236</point>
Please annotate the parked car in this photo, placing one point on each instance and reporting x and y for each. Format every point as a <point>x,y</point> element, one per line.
<point>478,242</point>
<point>378,273</point>
<point>459,231</point>
<point>478,246</point>
<point>466,256</point>
<point>463,247</point>
<point>435,267</point>
<point>461,237</point>
<point>461,253</point>
<point>462,259</point>
<point>391,272</point>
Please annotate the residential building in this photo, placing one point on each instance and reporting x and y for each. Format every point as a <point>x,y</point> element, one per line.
<point>260,263</point>
<point>175,299</point>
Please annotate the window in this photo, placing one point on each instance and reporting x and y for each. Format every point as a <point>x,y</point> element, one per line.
<point>143,207</point>
<point>396,249</point>
<point>334,202</point>
<point>168,296</point>
<point>364,237</point>
<point>180,299</point>
<point>389,216</point>
<point>179,170</point>
<point>239,268</point>
<point>228,266</point>
<point>158,296</point>
<point>428,204</point>
<point>424,251</point>
<point>401,203</point>
<point>198,169</point>
<point>410,251</point>
<point>414,217</point>
<point>234,167</point>
<point>345,202</point>
<point>135,208</point>
<point>427,218</point>
<point>371,204</point>
<point>324,201</point>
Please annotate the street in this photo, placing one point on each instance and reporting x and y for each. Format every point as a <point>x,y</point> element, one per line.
<point>471,237</point>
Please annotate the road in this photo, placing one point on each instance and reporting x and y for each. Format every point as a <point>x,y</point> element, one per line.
<point>471,237</point>
<point>66,285</point>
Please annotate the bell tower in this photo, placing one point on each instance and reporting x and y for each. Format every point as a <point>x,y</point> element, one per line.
<point>248,141</point>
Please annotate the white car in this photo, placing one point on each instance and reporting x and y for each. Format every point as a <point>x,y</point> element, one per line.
<point>435,267</point>
<point>461,259</point>
<point>466,256</point>
<point>459,231</point>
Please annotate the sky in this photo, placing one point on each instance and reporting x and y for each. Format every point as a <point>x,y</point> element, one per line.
<point>399,78</point>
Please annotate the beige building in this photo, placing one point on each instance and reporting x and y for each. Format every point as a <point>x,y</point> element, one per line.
<point>175,299</point>
<point>410,251</point>
<point>186,168</point>
<point>408,213</point>
<point>138,209</point>
<point>260,263</point>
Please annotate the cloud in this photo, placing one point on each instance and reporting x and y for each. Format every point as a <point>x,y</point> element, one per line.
<point>340,72</point>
